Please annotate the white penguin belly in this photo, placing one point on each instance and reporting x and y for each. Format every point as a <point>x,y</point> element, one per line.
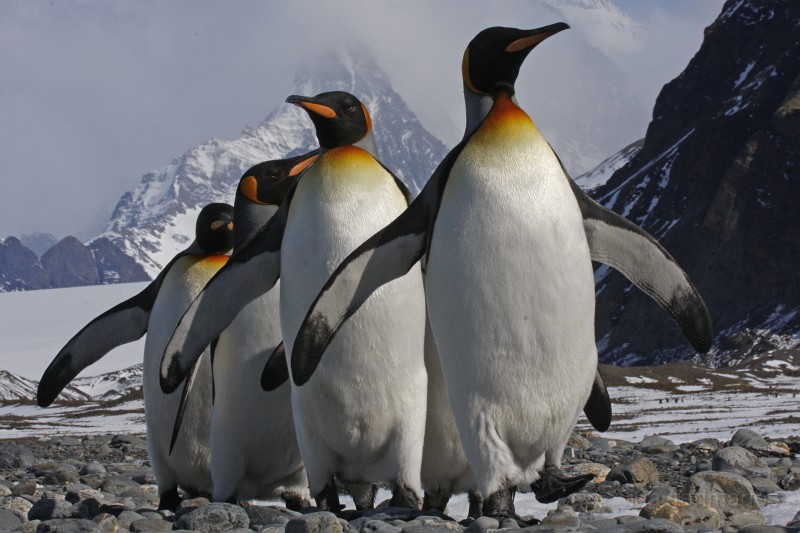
<point>188,464</point>
<point>361,415</point>
<point>511,300</point>
<point>254,452</point>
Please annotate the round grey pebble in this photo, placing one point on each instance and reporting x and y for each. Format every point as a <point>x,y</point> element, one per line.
<point>214,517</point>
<point>13,455</point>
<point>481,524</point>
<point>8,520</point>
<point>47,508</point>
<point>68,525</point>
<point>150,525</point>
<point>92,467</point>
<point>322,521</point>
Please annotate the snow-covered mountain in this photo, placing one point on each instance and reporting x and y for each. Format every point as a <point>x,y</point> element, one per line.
<point>110,386</point>
<point>14,388</point>
<point>600,174</point>
<point>156,220</point>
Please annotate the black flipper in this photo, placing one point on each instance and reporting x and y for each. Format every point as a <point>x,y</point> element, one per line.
<point>212,352</point>
<point>276,371</point>
<point>123,323</point>
<point>187,390</point>
<point>249,273</point>
<point>598,406</point>
<point>624,246</point>
<point>387,255</point>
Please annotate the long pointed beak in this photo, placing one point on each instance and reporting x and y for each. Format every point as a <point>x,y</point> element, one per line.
<point>311,106</point>
<point>535,37</point>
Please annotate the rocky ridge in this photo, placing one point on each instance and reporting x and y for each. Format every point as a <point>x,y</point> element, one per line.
<point>69,263</point>
<point>105,483</point>
<point>716,181</point>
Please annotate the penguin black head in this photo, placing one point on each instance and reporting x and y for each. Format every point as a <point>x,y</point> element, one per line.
<point>339,117</point>
<point>214,228</point>
<point>267,183</point>
<point>493,58</point>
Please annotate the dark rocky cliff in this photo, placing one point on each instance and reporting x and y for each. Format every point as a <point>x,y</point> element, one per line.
<point>717,181</point>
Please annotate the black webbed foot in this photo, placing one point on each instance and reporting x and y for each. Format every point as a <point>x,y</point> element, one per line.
<point>552,485</point>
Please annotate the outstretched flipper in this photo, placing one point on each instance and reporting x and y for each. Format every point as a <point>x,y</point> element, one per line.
<point>249,273</point>
<point>276,371</point>
<point>387,255</point>
<point>598,406</point>
<point>624,246</point>
<point>123,323</point>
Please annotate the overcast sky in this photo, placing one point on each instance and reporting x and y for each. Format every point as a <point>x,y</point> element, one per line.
<point>93,94</point>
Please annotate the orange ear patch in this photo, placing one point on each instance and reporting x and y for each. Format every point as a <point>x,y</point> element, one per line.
<point>300,167</point>
<point>249,188</point>
<point>367,117</point>
<point>465,73</point>
<point>319,109</point>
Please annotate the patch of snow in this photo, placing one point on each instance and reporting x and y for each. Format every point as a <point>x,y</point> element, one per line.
<point>690,388</point>
<point>743,75</point>
<point>642,379</point>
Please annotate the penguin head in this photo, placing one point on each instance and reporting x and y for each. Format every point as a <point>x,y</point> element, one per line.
<point>267,183</point>
<point>493,58</point>
<point>339,117</point>
<point>214,228</point>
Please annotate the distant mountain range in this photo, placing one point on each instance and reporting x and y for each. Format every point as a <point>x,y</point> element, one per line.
<point>68,263</point>
<point>111,386</point>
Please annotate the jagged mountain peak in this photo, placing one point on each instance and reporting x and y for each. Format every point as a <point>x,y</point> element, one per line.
<point>156,220</point>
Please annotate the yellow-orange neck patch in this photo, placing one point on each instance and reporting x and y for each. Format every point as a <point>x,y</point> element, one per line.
<point>505,113</point>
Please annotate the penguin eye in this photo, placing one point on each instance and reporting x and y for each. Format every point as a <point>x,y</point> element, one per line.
<point>348,108</point>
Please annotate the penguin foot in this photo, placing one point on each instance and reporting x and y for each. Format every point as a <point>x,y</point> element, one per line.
<point>435,500</point>
<point>328,498</point>
<point>404,496</point>
<point>552,485</point>
<point>475,504</point>
<point>363,494</point>
<point>169,500</point>
<point>350,514</point>
<point>295,501</point>
<point>500,504</point>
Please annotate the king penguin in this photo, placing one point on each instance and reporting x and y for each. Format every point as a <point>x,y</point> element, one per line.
<point>509,242</point>
<point>361,417</point>
<point>254,451</point>
<point>155,311</point>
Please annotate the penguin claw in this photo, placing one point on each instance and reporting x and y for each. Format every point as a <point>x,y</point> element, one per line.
<point>552,486</point>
